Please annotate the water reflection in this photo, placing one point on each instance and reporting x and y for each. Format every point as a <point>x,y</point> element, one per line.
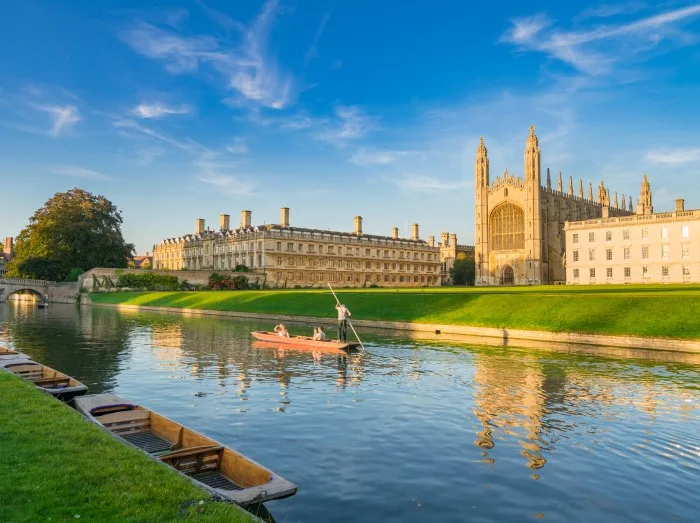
<point>404,431</point>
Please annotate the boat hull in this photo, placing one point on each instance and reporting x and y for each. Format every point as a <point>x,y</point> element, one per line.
<point>302,342</point>
<point>59,385</point>
<point>178,443</point>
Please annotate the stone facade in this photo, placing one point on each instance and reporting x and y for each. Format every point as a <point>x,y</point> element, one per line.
<point>646,248</point>
<point>519,222</point>
<point>449,250</point>
<point>290,256</point>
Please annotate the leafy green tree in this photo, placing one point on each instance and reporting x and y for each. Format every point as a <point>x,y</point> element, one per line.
<point>463,271</point>
<point>72,229</point>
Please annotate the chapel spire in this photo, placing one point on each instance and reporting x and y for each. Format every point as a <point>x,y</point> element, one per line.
<point>644,206</point>
<point>560,187</point>
<point>571,185</point>
<point>481,165</point>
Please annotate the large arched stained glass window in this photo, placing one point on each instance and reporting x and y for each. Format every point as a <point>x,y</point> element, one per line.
<point>507,227</point>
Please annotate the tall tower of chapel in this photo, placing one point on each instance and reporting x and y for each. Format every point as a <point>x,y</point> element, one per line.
<point>533,229</point>
<point>481,187</point>
<point>644,205</point>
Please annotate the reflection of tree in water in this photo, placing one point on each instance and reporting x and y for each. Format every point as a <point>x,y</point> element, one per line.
<point>85,342</point>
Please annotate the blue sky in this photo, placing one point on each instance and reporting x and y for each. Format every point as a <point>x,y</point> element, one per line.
<point>178,110</point>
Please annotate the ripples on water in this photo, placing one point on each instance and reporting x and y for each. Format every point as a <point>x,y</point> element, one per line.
<point>406,431</point>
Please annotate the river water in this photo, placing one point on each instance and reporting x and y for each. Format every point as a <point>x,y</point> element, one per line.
<point>405,431</point>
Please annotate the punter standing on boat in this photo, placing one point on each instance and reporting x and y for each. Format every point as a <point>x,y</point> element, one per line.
<point>343,315</point>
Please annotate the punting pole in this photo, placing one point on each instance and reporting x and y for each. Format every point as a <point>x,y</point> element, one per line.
<point>349,322</point>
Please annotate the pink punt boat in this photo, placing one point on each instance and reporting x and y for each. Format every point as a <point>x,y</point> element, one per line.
<point>302,342</point>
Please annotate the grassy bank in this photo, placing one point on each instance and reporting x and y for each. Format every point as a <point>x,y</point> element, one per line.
<point>658,311</point>
<point>54,466</point>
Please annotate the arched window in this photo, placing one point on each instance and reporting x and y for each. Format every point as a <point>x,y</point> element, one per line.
<point>507,227</point>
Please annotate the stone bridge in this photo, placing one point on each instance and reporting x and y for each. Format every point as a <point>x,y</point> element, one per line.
<point>56,292</point>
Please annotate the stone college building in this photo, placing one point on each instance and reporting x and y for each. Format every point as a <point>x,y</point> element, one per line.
<point>519,222</point>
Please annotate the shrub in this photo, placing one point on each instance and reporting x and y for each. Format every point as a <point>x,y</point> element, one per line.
<point>218,282</point>
<point>241,268</point>
<point>73,274</point>
<point>149,281</point>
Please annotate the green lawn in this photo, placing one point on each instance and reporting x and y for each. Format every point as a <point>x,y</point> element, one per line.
<point>651,310</point>
<point>55,466</point>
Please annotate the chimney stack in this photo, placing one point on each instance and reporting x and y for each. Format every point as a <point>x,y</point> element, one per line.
<point>431,241</point>
<point>358,225</point>
<point>284,217</point>
<point>199,227</point>
<point>680,207</point>
<point>444,237</point>
<point>395,233</point>
<point>8,249</point>
<point>245,219</point>
<point>414,232</point>
<point>224,222</point>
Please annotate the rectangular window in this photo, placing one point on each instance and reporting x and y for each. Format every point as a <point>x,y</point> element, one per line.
<point>645,272</point>
<point>591,273</point>
<point>591,254</point>
<point>645,252</point>
<point>664,252</point>
<point>608,272</point>
<point>664,233</point>
<point>685,250</point>
<point>279,246</point>
<point>591,237</point>
<point>625,234</point>
<point>645,233</point>
<point>664,271</point>
<point>340,250</point>
<point>684,231</point>
<point>576,255</point>
<point>330,249</point>
<point>608,236</point>
<point>575,273</point>
<point>686,270</point>
<point>575,237</point>
<point>608,254</point>
<point>290,246</point>
<point>626,253</point>
<point>628,272</point>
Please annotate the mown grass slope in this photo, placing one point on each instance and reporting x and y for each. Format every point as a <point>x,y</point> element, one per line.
<point>657,311</point>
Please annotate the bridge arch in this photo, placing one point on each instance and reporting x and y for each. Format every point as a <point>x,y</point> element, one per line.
<point>34,292</point>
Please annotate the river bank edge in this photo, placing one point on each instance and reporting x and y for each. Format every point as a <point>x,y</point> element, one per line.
<point>604,344</point>
<point>85,472</point>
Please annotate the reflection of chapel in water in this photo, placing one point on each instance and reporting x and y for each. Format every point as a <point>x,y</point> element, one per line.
<point>509,401</point>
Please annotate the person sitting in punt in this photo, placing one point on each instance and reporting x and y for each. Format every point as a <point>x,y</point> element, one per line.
<point>281,330</point>
<point>319,334</point>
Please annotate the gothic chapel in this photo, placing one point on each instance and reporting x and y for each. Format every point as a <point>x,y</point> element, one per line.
<point>519,222</point>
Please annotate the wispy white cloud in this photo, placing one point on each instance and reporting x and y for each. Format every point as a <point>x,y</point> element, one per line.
<point>350,123</point>
<point>425,184</point>
<point>674,156</point>
<point>79,172</point>
<point>247,65</point>
<point>238,146</point>
<point>158,110</point>
<point>313,48</point>
<point>365,157</point>
<point>584,49</point>
<point>63,117</point>
<point>296,123</point>
<point>211,170</point>
<point>131,126</point>
<point>610,10</point>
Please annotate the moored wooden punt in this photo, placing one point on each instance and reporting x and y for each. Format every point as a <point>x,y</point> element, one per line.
<point>10,354</point>
<point>59,385</point>
<point>302,342</point>
<point>207,462</point>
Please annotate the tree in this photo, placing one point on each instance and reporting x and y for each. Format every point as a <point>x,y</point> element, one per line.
<point>463,271</point>
<point>72,229</point>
